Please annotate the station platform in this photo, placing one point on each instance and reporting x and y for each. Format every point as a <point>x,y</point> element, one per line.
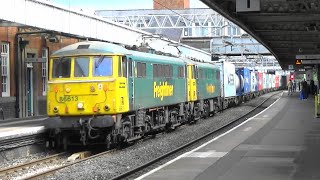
<point>281,142</point>
<point>14,128</point>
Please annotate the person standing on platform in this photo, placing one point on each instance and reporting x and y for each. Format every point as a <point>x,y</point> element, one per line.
<point>312,88</point>
<point>299,84</point>
<point>304,85</point>
<point>294,85</point>
<point>289,87</point>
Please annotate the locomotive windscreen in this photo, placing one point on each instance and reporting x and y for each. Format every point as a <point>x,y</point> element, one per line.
<point>61,68</point>
<point>102,66</point>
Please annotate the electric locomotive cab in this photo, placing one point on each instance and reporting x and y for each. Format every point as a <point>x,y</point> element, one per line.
<point>86,92</point>
<point>87,85</point>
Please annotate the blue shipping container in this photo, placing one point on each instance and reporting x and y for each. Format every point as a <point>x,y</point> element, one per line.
<point>244,81</point>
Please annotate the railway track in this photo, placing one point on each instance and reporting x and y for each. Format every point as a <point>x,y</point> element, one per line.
<point>46,166</point>
<point>21,141</point>
<point>133,173</point>
<point>21,171</point>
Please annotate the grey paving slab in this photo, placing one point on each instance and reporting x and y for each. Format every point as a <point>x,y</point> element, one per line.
<point>280,143</point>
<point>14,129</point>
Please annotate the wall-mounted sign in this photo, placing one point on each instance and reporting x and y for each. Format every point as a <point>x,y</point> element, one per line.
<point>290,66</point>
<point>35,60</point>
<point>310,61</point>
<point>308,56</point>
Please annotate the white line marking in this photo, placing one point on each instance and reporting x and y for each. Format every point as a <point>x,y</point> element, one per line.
<point>214,139</point>
<point>265,116</point>
<point>211,153</point>
<point>247,129</point>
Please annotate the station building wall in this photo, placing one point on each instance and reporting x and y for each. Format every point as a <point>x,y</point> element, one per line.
<point>37,45</point>
<point>176,4</point>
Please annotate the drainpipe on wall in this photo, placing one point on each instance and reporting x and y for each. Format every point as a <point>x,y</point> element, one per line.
<point>17,74</point>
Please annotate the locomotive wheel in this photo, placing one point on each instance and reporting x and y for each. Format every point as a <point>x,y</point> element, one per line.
<point>123,138</point>
<point>236,101</point>
<point>126,132</point>
<point>51,144</point>
<point>225,104</point>
<point>206,111</point>
<point>217,108</point>
<point>58,141</point>
<point>108,141</point>
<point>65,141</point>
<point>169,127</point>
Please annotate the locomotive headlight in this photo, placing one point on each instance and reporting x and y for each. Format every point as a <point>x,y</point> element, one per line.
<point>55,109</point>
<point>92,89</point>
<point>68,89</point>
<point>80,105</point>
<point>106,107</point>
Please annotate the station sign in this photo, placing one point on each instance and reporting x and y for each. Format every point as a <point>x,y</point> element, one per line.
<point>310,61</point>
<point>308,56</point>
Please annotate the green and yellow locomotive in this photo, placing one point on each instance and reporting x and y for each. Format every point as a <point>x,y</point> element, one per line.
<point>104,93</point>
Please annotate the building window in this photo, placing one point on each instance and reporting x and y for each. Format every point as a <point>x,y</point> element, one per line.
<point>201,31</point>
<point>44,55</point>
<point>233,31</point>
<point>5,69</point>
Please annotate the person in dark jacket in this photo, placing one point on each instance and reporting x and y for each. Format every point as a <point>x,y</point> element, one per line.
<point>312,88</point>
<point>304,89</point>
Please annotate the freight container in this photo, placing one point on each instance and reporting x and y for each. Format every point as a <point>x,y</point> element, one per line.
<point>260,81</point>
<point>243,75</point>
<point>228,76</point>
<point>276,79</point>
<point>254,82</point>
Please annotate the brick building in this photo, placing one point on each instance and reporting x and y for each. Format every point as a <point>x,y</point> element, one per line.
<point>171,4</point>
<point>32,73</point>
